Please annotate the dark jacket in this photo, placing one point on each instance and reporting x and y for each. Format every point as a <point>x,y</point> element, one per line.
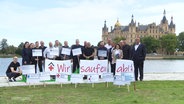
<point>26,55</point>
<point>139,54</point>
<point>126,51</point>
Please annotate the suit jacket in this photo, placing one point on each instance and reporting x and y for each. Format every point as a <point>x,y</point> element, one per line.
<point>139,54</point>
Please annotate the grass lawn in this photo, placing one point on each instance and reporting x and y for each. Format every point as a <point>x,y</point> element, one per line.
<point>148,92</point>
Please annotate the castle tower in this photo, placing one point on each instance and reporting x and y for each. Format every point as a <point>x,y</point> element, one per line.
<point>117,29</point>
<point>164,23</point>
<point>105,32</point>
<point>172,26</point>
<point>132,25</point>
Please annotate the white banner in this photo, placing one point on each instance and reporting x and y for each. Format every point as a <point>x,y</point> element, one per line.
<point>93,67</point>
<point>36,52</point>
<point>124,66</point>
<point>76,51</point>
<point>66,51</point>
<point>27,69</point>
<point>54,66</point>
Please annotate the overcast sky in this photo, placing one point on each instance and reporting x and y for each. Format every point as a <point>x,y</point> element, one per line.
<point>48,20</point>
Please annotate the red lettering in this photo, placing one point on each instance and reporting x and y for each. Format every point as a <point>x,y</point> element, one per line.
<point>63,68</point>
<point>124,68</point>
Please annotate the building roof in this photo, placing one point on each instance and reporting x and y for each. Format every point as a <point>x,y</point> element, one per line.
<point>142,27</point>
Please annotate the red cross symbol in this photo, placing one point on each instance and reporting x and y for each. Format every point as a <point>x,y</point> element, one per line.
<point>51,67</point>
<point>58,75</point>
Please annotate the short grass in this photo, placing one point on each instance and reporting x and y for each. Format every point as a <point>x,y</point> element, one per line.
<point>147,92</point>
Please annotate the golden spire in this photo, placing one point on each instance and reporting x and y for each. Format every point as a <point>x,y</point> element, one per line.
<point>117,24</point>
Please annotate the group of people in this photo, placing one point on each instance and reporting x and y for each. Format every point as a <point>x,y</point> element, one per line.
<point>109,51</point>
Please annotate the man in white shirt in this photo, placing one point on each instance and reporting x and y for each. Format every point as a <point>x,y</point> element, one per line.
<point>47,52</point>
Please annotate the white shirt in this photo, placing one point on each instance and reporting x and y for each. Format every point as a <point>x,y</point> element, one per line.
<point>47,52</point>
<point>108,46</point>
<point>136,46</point>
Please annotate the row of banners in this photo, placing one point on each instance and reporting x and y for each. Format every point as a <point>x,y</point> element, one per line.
<point>92,68</point>
<point>86,67</point>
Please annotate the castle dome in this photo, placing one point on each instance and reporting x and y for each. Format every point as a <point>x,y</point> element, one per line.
<point>117,24</point>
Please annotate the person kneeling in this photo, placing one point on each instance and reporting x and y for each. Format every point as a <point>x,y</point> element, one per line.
<point>12,72</point>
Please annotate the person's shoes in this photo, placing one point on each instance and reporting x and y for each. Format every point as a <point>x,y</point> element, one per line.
<point>14,79</point>
<point>10,80</point>
<point>141,80</point>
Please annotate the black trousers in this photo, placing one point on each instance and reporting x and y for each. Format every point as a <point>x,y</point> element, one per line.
<point>113,68</point>
<point>138,67</point>
<point>39,66</point>
<point>75,64</point>
<point>12,75</point>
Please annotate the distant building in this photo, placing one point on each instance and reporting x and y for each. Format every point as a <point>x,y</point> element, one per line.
<point>131,31</point>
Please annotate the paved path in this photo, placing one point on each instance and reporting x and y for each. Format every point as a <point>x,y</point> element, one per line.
<point>147,77</point>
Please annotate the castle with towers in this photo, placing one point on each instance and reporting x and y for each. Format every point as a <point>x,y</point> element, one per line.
<point>131,31</point>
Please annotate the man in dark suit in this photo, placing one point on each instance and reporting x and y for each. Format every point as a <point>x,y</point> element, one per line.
<point>138,54</point>
<point>126,50</point>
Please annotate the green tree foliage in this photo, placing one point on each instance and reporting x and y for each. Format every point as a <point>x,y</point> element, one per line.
<point>3,46</point>
<point>118,39</point>
<point>180,40</point>
<point>168,43</point>
<point>19,49</point>
<point>11,49</point>
<point>151,43</point>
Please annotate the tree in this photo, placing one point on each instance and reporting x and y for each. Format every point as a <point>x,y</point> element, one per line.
<point>19,49</point>
<point>118,39</point>
<point>11,49</point>
<point>3,46</point>
<point>168,43</point>
<point>151,43</point>
<point>180,40</point>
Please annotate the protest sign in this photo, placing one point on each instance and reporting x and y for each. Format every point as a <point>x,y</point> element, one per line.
<point>54,51</point>
<point>108,77</point>
<point>36,52</point>
<point>128,76</point>
<point>76,51</point>
<point>92,78</point>
<point>93,67</point>
<point>66,51</point>
<point>124,66</point>
<point>55,66</point>
<point>28,69</point>
<point>76,78</point>
<point>61,77</point>
<point>102,53</point>
<point>44,76</point>
<point>118,80</point>
<point>33,78</point>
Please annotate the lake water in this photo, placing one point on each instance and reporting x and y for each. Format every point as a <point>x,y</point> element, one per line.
<point>150,66</point>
